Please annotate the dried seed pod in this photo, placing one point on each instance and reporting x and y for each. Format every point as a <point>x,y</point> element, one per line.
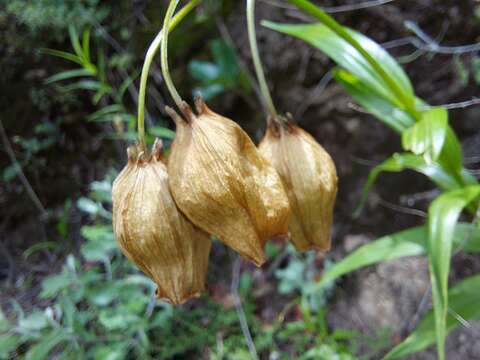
<point>310,180</point>
<point>153,233</point>
<point>223,185</point>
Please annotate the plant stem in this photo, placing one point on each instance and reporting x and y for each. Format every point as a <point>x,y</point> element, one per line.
<point>164,55</point>
<point>327,20</point>
<point>252,38</point>
<point>152,51</point>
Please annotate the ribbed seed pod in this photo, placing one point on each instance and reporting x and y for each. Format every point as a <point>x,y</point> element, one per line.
<point>310,180</point>
<point>153,233</point>
<point>223,185</point>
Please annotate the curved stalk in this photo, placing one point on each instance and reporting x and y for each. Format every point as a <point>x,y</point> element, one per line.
<point>333,25</point>
<point>252,38</point>
<point>164,55</point>
<point>152,51</point>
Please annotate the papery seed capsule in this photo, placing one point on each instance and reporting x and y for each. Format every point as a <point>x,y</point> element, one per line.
<point>223,185</point>
<point>153,233</point>
<point>310,180</point>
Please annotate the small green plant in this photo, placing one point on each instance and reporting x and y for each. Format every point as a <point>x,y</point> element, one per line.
<point>375,80</point>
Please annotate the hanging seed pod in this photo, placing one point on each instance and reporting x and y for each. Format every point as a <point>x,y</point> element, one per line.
<point>223,185</point>
<point>153,233</point>
<point>310,180</point>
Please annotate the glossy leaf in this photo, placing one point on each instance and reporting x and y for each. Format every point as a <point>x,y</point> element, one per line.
<point>346,56</point>
<point>427,136</point>
<point>463,301</point>
<point>442,218</point>
<point>373,102</point>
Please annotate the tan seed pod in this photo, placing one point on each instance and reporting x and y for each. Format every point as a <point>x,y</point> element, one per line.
<point>223,185</point>
<point>153,233</point>
<point>310,180</point>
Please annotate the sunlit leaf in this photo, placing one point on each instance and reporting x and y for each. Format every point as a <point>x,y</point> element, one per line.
<point>349,58</point>
<point>443,215</point>
<point>463,300</point>
<point>374,103</point>
<point>427,136</point>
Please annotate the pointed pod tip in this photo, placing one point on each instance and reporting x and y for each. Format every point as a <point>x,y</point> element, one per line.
<point>157,149</point>
<point>200,105</point>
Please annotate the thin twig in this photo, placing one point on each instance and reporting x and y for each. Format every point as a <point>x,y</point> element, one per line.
<point>239,308</point>
<point>31,193</point>
<point>324,81</point>
<point>335,9</point>
<point>462,104</point>
<point>403,209</point>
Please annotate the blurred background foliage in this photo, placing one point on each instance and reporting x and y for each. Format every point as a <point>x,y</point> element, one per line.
<point>68,84</point>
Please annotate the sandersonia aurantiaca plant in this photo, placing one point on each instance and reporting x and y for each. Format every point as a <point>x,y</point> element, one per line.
<point>307,171</point>
<point>149,228</point>
<point>218,178</point>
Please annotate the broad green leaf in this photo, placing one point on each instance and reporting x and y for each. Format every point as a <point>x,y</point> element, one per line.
<point>374,103</point>
<point>225,57</point>
<point>427,136</point>
<point>401,162</point>
<point>463,301</point>
<point>443,215</point>
<point>347,57</point>
<point>65,75</point>
<point>114,352</point>
<point>41,350</point>
<point>410,242</point>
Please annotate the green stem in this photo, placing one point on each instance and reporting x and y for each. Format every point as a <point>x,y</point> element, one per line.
<point>252,37</point>
<point>333,25</point>
<point>164,55</point>
<point>152,51</point>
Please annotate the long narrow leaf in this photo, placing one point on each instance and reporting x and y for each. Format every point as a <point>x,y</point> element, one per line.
<point>463,300</point>
<point>442,218</point>
<point>69,74</point>
<point>400,162</point>
<point>63,55</point>
<point>374,103</point>
<point>346,56</point>
<point>410,242</point>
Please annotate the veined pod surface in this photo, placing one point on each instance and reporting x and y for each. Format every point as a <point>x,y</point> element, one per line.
<point>310,180</point>
<point>153,233</point>
<point>222,183</point>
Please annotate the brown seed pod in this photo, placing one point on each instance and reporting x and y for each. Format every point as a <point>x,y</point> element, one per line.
<point>223,185</point>
<point>310,180</point>
<point>153,233</point>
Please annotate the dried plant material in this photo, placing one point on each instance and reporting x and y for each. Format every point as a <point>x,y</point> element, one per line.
<point>310,180</point>
<point>153,233</point>
<point>223,185</point>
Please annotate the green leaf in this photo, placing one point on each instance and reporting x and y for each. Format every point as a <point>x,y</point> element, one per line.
<point>4,323</point>
<point>349,58</point>
<point>161,132</point>
<point>374,103</point>
<point>41,350</point>
<point>463,301</point>
<point>8,343</point>
<point>114,352</point>
<point>106,112</point>
<point>225,57</point>
<point>11,171</point>
<point>443,215</point>
<point>427,136</point>
<point>63,55</point>
<point>410,242</point>
<point>86,44</point>
<point>52,285</point>
<point>400,162</point>
<point>34,322</point>
<point>204,71</point>
<point>75,42</point>
<point>65,75</point>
